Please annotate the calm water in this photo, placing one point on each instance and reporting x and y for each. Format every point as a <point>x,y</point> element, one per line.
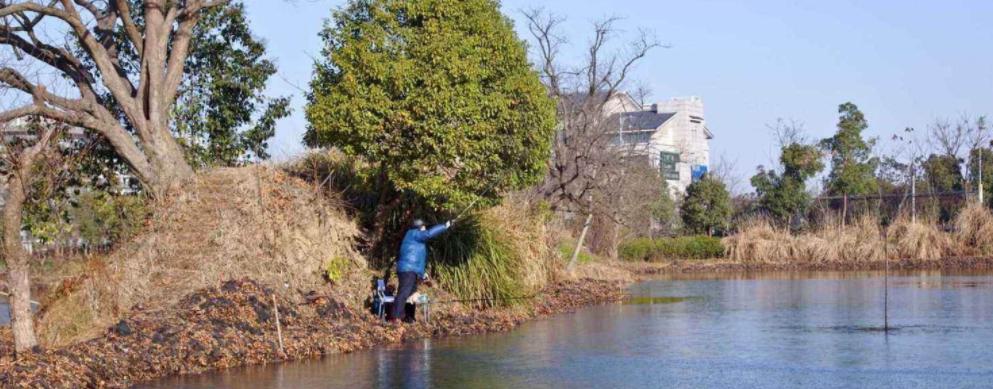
<point>4,312</point>
<point>772,330</point>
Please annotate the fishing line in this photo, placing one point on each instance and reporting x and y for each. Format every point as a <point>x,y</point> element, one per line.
<point>484,299</point>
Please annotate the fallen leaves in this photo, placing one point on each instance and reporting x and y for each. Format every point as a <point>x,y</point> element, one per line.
<point>232,325</point>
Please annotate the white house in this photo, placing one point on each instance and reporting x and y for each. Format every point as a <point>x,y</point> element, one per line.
<point>672,133</point>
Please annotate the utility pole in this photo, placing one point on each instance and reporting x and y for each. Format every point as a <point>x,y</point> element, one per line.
<point>981,176</point>
<point>913,193</point>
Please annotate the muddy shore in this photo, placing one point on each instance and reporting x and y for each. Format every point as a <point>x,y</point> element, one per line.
<point>234,325</point>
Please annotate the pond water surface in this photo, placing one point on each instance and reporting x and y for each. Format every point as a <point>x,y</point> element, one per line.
<point>4,312</point>
<point>765,330</point>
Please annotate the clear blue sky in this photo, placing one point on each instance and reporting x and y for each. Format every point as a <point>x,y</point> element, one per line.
<point>905,63</point>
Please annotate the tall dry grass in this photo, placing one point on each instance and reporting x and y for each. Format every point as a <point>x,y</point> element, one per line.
<point>921,240</point>
<point>228,223</point>
<point>974,230</point>
<point>760,241</point>
<point>495,257</point>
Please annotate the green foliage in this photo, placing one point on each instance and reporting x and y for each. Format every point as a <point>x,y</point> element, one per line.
<point>438,94</point>
<point>103,218</point>
<point>72,183</point>
<point>943,173</point>
<point>783,196</point>
<point>567,246</point>
<point>707,206</point>
<point>334,269</point>
<point>222,115</point>
<point>476,261</point>
<point>852,164</point>
<point>683,247</point>
<point>664,210</point>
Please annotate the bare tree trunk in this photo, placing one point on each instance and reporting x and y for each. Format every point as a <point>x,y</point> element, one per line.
<point>615,242</point>
<point>18,277</point>
<point>579,242</point>
<point>844,210</point>
<point>169,164</point>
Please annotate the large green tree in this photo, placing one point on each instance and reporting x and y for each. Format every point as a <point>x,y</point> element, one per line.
<point>707,206</point>
<point>437,95</point>
<point>664,210</point>
<point>783,195</point>
<point>852,164</point>
<point>943,173</point>
<point>223,116</point>
<point>122,84</point>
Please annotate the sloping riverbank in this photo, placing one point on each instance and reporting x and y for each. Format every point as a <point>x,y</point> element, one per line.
<point>234,325</point>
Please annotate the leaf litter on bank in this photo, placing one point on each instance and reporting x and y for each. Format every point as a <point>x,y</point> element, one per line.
<point>234,324</point>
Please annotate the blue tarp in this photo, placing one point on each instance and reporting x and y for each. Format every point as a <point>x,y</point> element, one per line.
<point>697,171</point>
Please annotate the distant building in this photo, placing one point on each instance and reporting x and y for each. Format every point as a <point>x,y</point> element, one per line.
<point>672,133</point>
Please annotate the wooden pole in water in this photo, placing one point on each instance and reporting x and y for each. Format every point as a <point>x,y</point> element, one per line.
<point>279,329</point>
<point>886,280</point>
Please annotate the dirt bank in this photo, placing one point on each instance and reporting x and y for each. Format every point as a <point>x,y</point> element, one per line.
<point>234,324</point>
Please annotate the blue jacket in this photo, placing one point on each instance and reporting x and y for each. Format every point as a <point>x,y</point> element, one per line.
<point>414,249</point>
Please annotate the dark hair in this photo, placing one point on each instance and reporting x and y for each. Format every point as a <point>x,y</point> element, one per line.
<point>418,223</point>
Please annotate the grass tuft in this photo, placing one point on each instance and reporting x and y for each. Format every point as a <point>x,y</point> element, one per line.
<point>495,257</point>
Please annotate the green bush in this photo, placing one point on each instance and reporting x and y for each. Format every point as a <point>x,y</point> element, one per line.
<point>683,247</point>
<point>475,262</point>
<point>335,268</point>
<point>567,246</point>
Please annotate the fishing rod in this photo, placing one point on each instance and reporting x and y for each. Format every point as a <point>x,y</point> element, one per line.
<point>484,299</point>
<point>467,208</point>
<point>474,201</point>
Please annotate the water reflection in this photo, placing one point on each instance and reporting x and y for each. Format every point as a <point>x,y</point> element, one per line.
<point>746,330</point>
<point>4,312</point>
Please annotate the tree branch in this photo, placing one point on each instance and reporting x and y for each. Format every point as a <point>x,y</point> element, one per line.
<point>124,12</point>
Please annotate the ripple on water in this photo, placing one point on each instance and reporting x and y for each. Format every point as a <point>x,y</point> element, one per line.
<point>854,329</point>
<point>648,300</point>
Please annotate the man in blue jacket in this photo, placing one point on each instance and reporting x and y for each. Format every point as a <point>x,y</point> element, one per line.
<point>411,264</point>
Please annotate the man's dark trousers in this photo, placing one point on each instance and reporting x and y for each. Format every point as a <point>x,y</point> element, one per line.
<point>408,285</point>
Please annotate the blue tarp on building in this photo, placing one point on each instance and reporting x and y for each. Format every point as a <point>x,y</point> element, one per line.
<point>698,171</point>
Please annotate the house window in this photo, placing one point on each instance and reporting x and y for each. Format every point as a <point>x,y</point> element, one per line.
<point>628,138</point>
<point>667,165</point>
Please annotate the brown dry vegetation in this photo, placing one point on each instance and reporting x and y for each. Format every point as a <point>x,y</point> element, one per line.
<point>226,224</point>
<point>863,241</point>
<point>974,230</point>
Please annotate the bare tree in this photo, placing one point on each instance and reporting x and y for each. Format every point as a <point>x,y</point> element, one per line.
<point>129,107</point>
<point>585,161</point>
<point>623,209</point>
<point>959,138</point>
<point>20,158</point>
<point>725,169</point>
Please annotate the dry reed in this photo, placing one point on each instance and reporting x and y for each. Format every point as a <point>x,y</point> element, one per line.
<point>227,223</point>
<point>862,241</point>
<point>974,230</point>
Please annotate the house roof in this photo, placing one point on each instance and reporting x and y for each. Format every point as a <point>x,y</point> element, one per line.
<point>644,120</point>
